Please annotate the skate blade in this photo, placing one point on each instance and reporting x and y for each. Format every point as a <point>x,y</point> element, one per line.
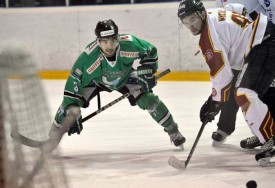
<point>218,144</point>
<point>181,147</point>
<point>266,162</point>
<point>176,163</point>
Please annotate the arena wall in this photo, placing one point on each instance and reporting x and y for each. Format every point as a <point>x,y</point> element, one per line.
<point>58,35</point>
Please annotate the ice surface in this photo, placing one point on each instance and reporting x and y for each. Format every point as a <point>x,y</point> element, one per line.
<point>124,148</point>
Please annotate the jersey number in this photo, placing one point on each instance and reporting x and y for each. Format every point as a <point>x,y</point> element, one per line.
<point>75,87</point>
<point>240,20</point>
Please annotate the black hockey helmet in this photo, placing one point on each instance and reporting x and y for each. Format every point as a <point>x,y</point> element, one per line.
<point>188,7</point>
<point>106,28</point>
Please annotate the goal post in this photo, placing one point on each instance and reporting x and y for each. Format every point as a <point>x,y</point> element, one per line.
<point>2,144</point>
<point>23,109</point>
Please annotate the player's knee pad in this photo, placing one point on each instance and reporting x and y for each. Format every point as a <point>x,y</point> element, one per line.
<point>62,113</point>
<point>148,101</point>
<point>73,111</point>
<point>243,97</point>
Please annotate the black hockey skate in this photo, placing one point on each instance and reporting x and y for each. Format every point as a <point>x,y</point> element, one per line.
<point>219,137</point>
<point>264,157</point>
<point>176,138</point>
<point>250,143</point>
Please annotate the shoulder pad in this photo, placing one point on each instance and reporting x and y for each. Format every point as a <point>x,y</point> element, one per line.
<point>126,38</point>
<point>90,47</point>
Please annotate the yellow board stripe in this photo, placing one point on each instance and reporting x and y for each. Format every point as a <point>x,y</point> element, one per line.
<point>54,75</point>
<point>172,76</point>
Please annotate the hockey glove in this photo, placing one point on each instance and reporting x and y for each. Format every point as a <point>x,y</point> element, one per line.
<point>76,127</point>
<point>146,77</point>
<point>209,110</point>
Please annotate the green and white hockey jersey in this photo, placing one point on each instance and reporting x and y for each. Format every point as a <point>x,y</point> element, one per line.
<point>93,66</point>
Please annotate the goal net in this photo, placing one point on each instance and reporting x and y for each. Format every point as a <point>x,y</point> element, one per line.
<point>23,110</point>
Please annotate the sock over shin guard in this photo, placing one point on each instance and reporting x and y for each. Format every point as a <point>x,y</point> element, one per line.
<point>158,111</point>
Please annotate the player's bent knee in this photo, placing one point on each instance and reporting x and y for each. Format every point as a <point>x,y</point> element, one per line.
<point>147,101</point>
<point>242,96</point>
<point>73,111</point>
<point>62,113</point>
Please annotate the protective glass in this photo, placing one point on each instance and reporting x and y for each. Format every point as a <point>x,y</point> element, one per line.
<point>108,45</point>
<point>193,22</point>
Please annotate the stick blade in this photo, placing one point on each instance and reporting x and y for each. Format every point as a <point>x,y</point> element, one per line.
<point>176,163</point>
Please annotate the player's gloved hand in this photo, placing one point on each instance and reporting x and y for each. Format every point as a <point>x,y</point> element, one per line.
<point>146,77</point>
<point>209,110</point>
<point>76,127</point>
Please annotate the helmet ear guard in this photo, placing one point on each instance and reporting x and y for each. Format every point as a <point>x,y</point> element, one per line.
<point>106,29</point>
<point>188,7</point>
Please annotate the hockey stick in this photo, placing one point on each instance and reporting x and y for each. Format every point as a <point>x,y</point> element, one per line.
<point>119,99</point>
<point>39,144</point>
<point>180,164</point>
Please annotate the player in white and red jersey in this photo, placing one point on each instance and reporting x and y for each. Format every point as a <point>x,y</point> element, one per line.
<point>227,120</point>
<point>269,7</point>
<point>266,7</point>
<point>248,8</point>
<point>230,41</point>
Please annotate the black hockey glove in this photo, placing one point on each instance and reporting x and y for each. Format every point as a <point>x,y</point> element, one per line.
<point>209,110</point>
<point>146,77</point>
<point>76,127</point>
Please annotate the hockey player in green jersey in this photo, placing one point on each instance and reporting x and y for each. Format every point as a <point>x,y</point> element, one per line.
<point>107,65</point>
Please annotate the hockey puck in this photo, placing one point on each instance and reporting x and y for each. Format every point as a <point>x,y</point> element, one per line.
<point>251,184</point>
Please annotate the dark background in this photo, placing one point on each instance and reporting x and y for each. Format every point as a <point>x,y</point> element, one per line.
<point>43,3</point>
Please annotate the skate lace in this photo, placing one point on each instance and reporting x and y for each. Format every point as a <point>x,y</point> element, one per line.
<point>269,144</point>
<point>252,140</point>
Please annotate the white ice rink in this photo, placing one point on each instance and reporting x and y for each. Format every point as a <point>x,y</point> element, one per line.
<point>124,148</point>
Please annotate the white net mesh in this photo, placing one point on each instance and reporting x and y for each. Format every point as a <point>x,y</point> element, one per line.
<point>23,109</point>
